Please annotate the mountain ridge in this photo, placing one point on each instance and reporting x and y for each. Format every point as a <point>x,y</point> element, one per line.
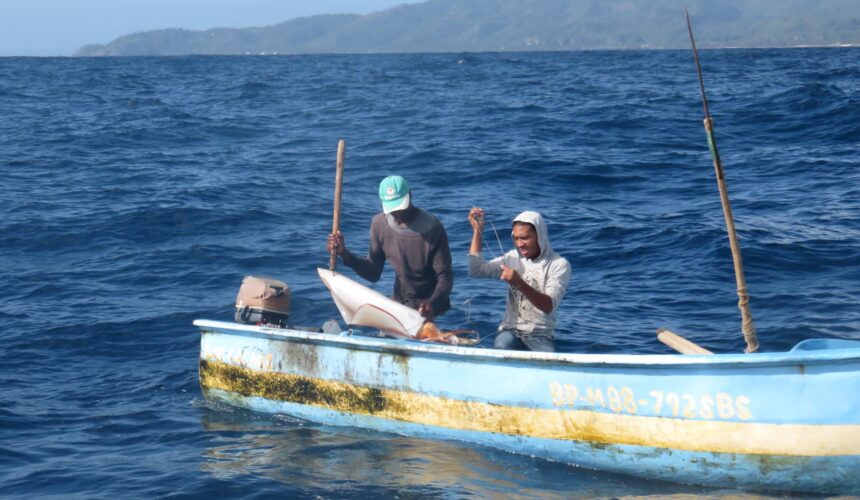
<point>516,25</point>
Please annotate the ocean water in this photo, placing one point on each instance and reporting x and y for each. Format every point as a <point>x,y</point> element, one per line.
<point>137,192</point>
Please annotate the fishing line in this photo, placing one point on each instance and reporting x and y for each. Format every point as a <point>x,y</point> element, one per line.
<point>468,302</point>
<point>515,298</point>
<point>501,249</point>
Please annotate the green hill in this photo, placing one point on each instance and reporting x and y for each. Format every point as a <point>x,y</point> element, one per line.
<point>516,25</point>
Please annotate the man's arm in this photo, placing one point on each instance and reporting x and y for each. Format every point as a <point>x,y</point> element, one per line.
<point>540,300</point>
<point>370,267</point>
<point>557,281</point>
<point>444,276</point>
<point>476,219</point>
<point>478,268</point>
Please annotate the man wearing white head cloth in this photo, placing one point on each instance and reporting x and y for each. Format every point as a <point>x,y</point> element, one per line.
<point>537,279</point>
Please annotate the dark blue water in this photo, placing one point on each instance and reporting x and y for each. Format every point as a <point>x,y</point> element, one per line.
<point>136,193</point>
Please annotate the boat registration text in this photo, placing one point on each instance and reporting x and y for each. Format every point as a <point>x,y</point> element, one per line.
<point>721,405</point>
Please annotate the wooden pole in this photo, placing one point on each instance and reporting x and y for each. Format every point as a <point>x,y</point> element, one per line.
<point>747,326</point>
<point>338,185</point>
<point>679,343</point>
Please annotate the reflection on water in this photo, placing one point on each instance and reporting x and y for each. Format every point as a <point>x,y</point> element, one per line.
<point>337,461</point>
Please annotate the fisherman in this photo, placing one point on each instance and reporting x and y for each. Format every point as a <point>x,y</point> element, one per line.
<point>415,244</point>
<point>537,279</point>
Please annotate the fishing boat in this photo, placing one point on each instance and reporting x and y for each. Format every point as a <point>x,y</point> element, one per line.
<point>786,421</point>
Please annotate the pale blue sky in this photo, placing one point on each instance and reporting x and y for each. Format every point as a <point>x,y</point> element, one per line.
<point>59,27</point>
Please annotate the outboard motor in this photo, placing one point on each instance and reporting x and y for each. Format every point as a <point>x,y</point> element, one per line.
<point>263,301</point>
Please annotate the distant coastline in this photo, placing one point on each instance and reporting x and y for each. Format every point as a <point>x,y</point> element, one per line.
<point>515,26</point>
<point>288,54</point>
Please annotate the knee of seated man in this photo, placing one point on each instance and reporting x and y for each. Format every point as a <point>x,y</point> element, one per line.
<point>506,340</point>
<point>539,343</point>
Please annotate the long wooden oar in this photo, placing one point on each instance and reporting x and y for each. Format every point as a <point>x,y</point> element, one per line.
<point>747,325</point>
<point>338,187</point>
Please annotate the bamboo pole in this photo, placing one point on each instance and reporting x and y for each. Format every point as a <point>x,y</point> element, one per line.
<point>747,326</point>
<point>338,186</point>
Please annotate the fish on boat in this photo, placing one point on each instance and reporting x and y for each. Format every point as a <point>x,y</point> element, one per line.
<point>363,306</point>
<point>786,421</point>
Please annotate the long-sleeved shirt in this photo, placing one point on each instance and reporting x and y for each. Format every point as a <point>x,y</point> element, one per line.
<point>549,274</point>
<point>419,254</point>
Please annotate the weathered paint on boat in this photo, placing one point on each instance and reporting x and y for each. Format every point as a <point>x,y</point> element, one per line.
<point>783,421</point>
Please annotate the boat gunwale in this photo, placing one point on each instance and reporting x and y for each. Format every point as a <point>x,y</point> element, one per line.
<point>494,355</point>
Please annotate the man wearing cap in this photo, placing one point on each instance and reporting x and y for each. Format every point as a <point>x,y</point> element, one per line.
<point>536,276</point>
<point>415,244</point>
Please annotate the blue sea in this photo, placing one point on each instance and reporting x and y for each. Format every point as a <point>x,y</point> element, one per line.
<point>137,192</point>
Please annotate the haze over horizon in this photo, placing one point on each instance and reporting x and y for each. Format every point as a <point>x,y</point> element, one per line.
<point>59,27</point>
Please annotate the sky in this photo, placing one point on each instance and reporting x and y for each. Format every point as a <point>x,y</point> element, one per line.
<point>59,27</point>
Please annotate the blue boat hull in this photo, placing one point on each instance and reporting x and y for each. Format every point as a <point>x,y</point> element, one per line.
<point>785,421</point>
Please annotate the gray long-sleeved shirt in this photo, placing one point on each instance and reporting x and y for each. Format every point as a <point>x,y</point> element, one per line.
<point>419,255</point>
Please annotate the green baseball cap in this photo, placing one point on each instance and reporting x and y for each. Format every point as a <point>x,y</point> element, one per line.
<point>394,193</point>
